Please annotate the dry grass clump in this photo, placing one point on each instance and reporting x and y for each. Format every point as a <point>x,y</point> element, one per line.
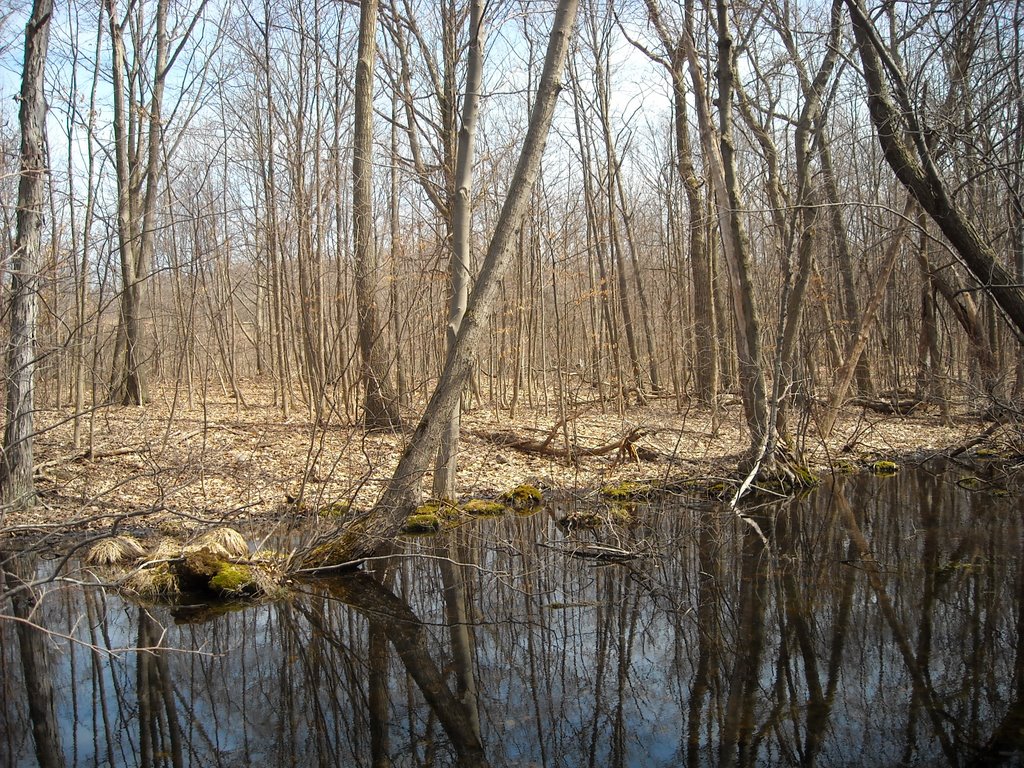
<point>165,549</point>
<point>116,550</point>
<point>228,539</point>
<point>217,550</point>
<point>153,582</point>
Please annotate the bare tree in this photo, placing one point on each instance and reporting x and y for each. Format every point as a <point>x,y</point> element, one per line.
<point>360,538</point>
<point>380,407</point>
<point>702,267</point>
<point>462,212</point>
<point>905,138</point>
<point>140,153</point>
<point>16,483</point>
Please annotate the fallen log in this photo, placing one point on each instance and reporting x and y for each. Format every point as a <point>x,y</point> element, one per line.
<point>625,446</point>
<point>889,406</point>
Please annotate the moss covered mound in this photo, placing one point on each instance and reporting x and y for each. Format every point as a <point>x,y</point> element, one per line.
<point>422,522</point>
<point>522,497</point>
<point>234,579</point>
<point>482,507</point>
<point>627,490</point>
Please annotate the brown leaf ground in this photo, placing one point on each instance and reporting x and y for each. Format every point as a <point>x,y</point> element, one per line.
<point>222,460</point>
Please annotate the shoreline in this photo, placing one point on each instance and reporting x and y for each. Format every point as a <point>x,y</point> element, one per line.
<point>221,462</point>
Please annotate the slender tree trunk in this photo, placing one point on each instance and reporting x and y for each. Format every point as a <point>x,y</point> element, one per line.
<point>707,375</point>
<point>851,301</point>
<point>855,348</point>
<point>380,406</point>
<point>16,484</point>
<point>808,208</point>
<point>363,536</point>
<point>81,284</point>
<point>462,212</point>
<point>719,152</point>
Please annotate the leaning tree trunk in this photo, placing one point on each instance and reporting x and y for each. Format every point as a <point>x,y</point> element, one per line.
<point>904,143</point>
<point>859,340</point>
<point>380,407</point>
<point>363,536</point>
<point>16,486</point>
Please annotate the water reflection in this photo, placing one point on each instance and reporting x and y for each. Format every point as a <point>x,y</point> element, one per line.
<point>881,625</point>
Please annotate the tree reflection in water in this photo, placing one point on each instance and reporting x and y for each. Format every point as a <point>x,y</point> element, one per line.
<point>881,625</point>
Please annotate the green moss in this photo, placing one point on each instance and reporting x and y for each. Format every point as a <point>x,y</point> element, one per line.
<point>522,497</point>
<point>988,453</point>
<point>233,579</point>
<point>627,490</point>
<point>884,468</point>
<point>969,483</point>
<point>426,522</point>
<point>697,486</point>
<point>483,507</point>
<point>432,507</point>
<point>803,477</point>
<point>335,509</point>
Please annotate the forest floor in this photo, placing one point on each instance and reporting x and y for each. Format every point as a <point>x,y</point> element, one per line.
<point>175,465</point>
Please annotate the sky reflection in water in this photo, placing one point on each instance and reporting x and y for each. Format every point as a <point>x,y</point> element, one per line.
<point>880,626</point>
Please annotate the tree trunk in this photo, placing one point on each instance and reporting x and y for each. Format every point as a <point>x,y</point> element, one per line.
<point>380,406</point>
<point>855,348</point>
<point>895,118</point>
<point>16,485</point>
<point>719,152</point>
<point>851,302</point>
<point>462,212</point>
<point>808,209</point>
<point>706,377</point>
<point>364,535</point>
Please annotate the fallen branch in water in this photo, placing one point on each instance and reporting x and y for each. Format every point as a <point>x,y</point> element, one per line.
<point>605,552</point>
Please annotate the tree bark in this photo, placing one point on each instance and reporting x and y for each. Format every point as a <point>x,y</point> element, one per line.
<point>719,150</point>
<point>462,212</point>
<point>364,535</point>
<point>705,334</point>
<point>380,405</point>
<point>16,484</point>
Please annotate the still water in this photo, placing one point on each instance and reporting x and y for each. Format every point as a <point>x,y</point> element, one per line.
<point>878,622</point>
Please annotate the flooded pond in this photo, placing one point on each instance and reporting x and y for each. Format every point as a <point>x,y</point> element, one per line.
<point>877,622</point>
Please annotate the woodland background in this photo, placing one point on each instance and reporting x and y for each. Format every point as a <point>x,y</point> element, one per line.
<point>198,215</point>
